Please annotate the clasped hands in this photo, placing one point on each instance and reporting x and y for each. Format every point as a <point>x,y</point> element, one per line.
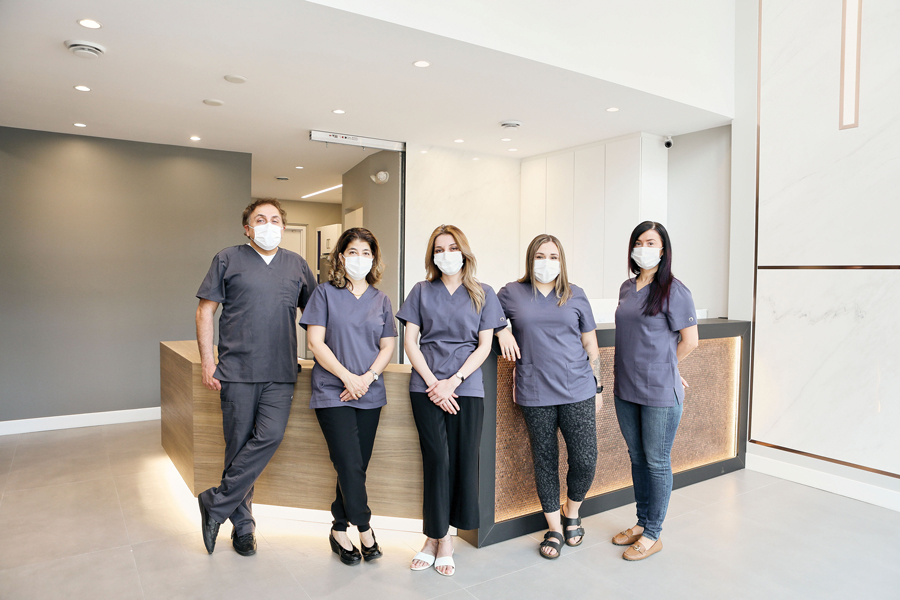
<point>441,392</point>
<point>356,386</point>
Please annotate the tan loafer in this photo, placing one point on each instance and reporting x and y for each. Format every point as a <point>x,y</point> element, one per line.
<point>626,538</point>
<point>638,552</point>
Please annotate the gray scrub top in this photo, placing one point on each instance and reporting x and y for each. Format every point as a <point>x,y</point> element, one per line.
<point>353,331</point>
<point>646,366</point>
<point>554,367</point>
<point>449,331</point>
<point>257,331</point>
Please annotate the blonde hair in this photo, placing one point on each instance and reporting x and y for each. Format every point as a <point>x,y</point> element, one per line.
<point>337,276</point>
<point>432,273</point>
<point>563,291</point>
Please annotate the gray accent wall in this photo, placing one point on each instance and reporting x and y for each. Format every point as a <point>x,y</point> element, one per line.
<point>104,245</point>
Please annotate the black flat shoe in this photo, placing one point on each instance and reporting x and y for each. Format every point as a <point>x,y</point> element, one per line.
<point>245,545</point>
<point>370,552</point>
<point>209,528</point>
<point>348,557</point>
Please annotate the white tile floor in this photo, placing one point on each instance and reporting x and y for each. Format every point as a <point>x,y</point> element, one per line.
<point>101,513</point>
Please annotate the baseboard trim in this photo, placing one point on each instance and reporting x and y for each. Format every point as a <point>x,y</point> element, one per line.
<point>858,490</point>
<point>83,420</point>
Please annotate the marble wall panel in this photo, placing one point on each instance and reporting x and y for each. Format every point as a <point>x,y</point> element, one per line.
<point>826,364</point>
<point>823,192</point>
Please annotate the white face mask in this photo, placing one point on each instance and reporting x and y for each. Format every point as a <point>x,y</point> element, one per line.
<point>449,262</point>
<point>546,270</point>
<point>267,236</point>
<point>357,267</point>
<point>646,257</point>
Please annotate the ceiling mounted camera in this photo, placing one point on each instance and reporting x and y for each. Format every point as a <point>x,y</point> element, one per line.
<point>668,143</point>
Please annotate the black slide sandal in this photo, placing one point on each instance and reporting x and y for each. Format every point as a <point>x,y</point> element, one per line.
<point>572,533</point>
<point>552,539</point>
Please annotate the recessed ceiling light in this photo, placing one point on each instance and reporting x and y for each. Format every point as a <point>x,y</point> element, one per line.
<point>338,111</point>
<point>90,23</point>
<point>612,109</point>
<point>505,140</point>
<point>235,79</point>
<point>475,158</point>
<point>459,141</point>
<point>82,88</point>
<point>298,167</point>
<point>421,64</point>
<point>513,149</point>
<point>322,191</point>
<point>80,125</point>
<point>213,102</point>
<point>424,151</point>
<point>195,138</point>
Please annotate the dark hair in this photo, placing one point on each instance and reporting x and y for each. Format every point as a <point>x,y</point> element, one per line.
<point>662,280</point>
<point>259,202</point>
<point>337,276</point>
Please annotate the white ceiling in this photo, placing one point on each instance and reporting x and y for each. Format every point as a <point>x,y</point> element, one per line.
<point>302,60</point>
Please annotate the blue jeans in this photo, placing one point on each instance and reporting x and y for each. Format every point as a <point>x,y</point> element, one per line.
<point>649,432</point>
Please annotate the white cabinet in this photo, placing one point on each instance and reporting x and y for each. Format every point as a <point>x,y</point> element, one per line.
<point>591,198</point>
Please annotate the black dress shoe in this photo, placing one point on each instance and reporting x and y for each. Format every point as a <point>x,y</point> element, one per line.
<point>370,552</point>
<point>209,528</point>
<point>348,557</point>
<point>245,545</point>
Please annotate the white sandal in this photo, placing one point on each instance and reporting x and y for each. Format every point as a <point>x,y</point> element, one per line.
<point>445,561</point>
<point>425,558</point>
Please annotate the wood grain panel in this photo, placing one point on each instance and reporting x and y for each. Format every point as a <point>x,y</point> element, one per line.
<point>301,474</point>
<point>176,414</point>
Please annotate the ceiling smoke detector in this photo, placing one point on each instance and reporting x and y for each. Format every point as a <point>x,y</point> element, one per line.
<point>511,124</point>
<point>85,49</point>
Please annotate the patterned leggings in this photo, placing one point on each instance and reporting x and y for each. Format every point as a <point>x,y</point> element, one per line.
<point>578,425</point>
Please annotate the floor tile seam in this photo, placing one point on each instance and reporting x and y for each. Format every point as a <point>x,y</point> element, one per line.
<point>466,587</point>
<point>121,511</point>
<point>68,556</point>
<point>51,485</point>
<point>280,558</point>
<point>137,570</point>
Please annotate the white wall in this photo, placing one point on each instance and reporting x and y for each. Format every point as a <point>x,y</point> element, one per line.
<point>699,189</point>
<point>481,197</point>
<point>679,50</point>
<point>825,350</point>
<point>591,197</point>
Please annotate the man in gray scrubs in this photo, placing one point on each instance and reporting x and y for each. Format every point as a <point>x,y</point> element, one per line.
<point>259,287</point>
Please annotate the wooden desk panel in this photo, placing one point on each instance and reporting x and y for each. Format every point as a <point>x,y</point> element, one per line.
<point>300,474</point>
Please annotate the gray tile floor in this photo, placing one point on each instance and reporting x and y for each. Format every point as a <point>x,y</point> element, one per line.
<point>100,512</point>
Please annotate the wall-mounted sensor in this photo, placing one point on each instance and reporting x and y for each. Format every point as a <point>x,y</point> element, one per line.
<point>380,177</point>
<point>668,143</point>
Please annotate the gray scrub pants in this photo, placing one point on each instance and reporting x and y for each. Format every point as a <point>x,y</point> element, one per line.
<point>254,416</point>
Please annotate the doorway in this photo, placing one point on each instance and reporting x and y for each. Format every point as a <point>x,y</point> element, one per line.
<point>294,239</point>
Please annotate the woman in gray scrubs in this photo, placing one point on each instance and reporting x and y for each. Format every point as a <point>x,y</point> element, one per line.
<point>351,332</point>
<point>554,341</point>
<point>656,328</point>
<point>456,316</point>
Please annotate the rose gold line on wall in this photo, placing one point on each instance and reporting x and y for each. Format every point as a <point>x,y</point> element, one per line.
<point>851,26</point>
<point>826,459</point>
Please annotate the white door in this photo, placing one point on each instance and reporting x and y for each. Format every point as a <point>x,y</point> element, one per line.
<point>294,239</point>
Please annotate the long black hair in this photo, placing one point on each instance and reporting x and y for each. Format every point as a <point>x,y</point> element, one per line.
<point>662,280</point>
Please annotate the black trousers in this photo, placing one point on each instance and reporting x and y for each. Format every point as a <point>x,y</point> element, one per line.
<point>350,435</point>
<point>450,445</point>
<point>254,416</point>
<point>578,425</point>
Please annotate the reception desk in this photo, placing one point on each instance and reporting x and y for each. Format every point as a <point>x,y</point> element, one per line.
<point>711,439</point>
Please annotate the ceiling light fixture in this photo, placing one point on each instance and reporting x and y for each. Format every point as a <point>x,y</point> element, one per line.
<point>513,149</point>
<point>298,167</point>
<point>612,109</point>
<point>82,88</point>
<point>459,141</point>
<point>422,64</point>
<point>195,138</point>
<point>213,102</point>
<point>424,151</point>
<point>79,125</point>
<point>235,79</point>
<point>338,111</point>
<point>476,158</point>
<point>322,191</point>
<point>90,23</point>
<point>505,140</point>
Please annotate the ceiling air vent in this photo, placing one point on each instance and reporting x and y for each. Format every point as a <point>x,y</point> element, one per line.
<point>85,49</point>
<point>282,179</point>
